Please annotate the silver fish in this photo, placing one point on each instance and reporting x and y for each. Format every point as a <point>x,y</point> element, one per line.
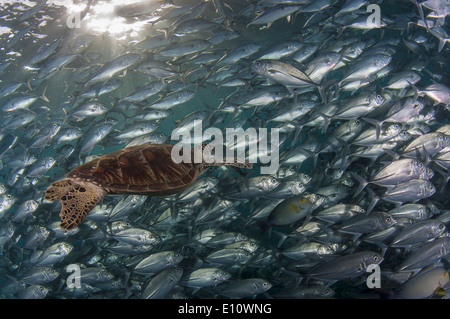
<point>54,254</point>
<point>95,134</point>
<point>156,262</point>
<point>229,256</point>
<point>270,15</point>
<point>205,277</point>
<point>397,172</point>
<point>372,222</point>
<point>432,143</point>
<point>282,73</point>
<point>137,129</point>
<point>33,292</point>
<point>418,233</point>
<point>244,288</point>
<point>137,236</point>
<point>339,212</point>
<point>24,210</point>
<point>39,275</point>
<point>172,99</point>
<point>113,67</point>
<point>427,255</point>
<point>348,266</point>
<point>162,283</point>
<point>257,186</point>
<point>46,135</point>
<point>411,191</point>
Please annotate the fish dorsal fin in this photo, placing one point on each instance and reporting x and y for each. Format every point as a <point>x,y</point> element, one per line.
<point>77,202</point>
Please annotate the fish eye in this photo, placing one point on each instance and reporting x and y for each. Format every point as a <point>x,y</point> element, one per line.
<point>420,164</point>
<point>375,258</point>
<point>379,97</point>
<point>388,219</point>
<point>441,226</point>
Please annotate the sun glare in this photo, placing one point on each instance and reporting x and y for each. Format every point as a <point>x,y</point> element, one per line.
<point>101,17</point>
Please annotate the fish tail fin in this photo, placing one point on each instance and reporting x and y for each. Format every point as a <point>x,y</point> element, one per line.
<point>374,200</point>
<point>378,125</point>
<point>283,237</point>
<point>43,96</point>
<point>446,177</point>
<point>362,183</point>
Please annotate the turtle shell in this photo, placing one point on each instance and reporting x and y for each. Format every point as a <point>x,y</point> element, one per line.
<point>141,169</point>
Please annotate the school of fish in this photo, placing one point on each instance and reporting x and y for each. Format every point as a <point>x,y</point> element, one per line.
<point>360,93</point>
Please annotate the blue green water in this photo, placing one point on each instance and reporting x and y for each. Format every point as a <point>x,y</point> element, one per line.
<point>95,245</point>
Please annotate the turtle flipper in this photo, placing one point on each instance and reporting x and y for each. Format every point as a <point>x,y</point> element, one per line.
<point>78,202</point>
<point>58,189</point>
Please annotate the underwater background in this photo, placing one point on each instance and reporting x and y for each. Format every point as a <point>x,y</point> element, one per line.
<point>362,113</point>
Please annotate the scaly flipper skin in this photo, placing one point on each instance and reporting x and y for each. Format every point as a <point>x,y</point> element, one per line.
<point>78,198</point>
<point>58,189</point>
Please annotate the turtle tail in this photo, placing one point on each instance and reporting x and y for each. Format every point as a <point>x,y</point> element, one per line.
<point>77,199</point>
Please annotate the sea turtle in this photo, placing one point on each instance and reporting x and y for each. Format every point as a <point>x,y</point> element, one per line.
<point>143,169</point>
